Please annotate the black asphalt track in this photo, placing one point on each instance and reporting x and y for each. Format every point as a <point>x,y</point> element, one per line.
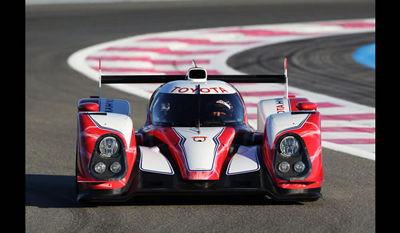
<point>323,65</point>
<point>53,33</point>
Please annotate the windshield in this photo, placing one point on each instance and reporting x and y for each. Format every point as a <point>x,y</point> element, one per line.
<point>183,110</point>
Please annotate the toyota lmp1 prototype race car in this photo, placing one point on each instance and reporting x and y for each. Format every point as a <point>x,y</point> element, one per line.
<point>197,140</point>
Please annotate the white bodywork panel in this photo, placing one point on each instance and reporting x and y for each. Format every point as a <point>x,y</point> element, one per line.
<point>151,160</point>
<point>277,123</point>
<point>270,106</point>
<point>245,160</point>
<point>199,149</point>
<point>118,122</point>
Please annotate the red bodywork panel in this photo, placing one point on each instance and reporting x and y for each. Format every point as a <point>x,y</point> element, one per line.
<point>311,134</point>
<point>89,132</point>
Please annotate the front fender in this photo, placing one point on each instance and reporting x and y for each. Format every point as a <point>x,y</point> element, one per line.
<point>304,126</point>
<point>92,126</point>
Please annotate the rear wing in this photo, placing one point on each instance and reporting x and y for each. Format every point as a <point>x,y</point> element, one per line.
<point>194,74</point>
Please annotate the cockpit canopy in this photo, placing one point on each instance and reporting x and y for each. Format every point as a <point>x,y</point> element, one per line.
<point>185,110</point>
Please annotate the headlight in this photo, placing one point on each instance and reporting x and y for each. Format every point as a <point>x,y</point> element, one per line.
<point>100,167</point>
<point>289,146</point>
<point>108,147</point>
<point>299,167</point>
<point>284,167</point>
<point>115,167</point>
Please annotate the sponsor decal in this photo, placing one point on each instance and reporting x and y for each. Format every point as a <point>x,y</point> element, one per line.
<point>279,106</point>
<point>199,139</point>
<point>217,90</point>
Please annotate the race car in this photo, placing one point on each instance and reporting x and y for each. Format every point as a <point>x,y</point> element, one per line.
<point>197,140</point>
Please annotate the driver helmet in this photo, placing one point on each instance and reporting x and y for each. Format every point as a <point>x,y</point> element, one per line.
<point>221,108</point>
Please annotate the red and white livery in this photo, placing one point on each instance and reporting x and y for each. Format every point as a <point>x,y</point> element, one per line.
<point>197,140</point>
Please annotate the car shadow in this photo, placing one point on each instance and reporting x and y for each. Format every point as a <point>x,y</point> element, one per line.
<point>50,191</point>
<point>57,191</point>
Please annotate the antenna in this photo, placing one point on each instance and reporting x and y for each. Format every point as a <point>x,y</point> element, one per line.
<point>100,78</point>
<point>194,63</point>
<point>287,80</point>
<point>199,104</point>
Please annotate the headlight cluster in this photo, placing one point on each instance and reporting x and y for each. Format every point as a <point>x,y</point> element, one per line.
<point>297,167</point>
<point>108,160</point>
<point>100,167</point>
<point>291,159</point>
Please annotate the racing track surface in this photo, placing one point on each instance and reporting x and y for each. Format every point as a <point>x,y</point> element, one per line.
<point>53,33</point>
<point>315,63</point>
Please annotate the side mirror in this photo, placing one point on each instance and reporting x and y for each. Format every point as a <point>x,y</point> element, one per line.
<point>88,107</point>
<point>305,105</point>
